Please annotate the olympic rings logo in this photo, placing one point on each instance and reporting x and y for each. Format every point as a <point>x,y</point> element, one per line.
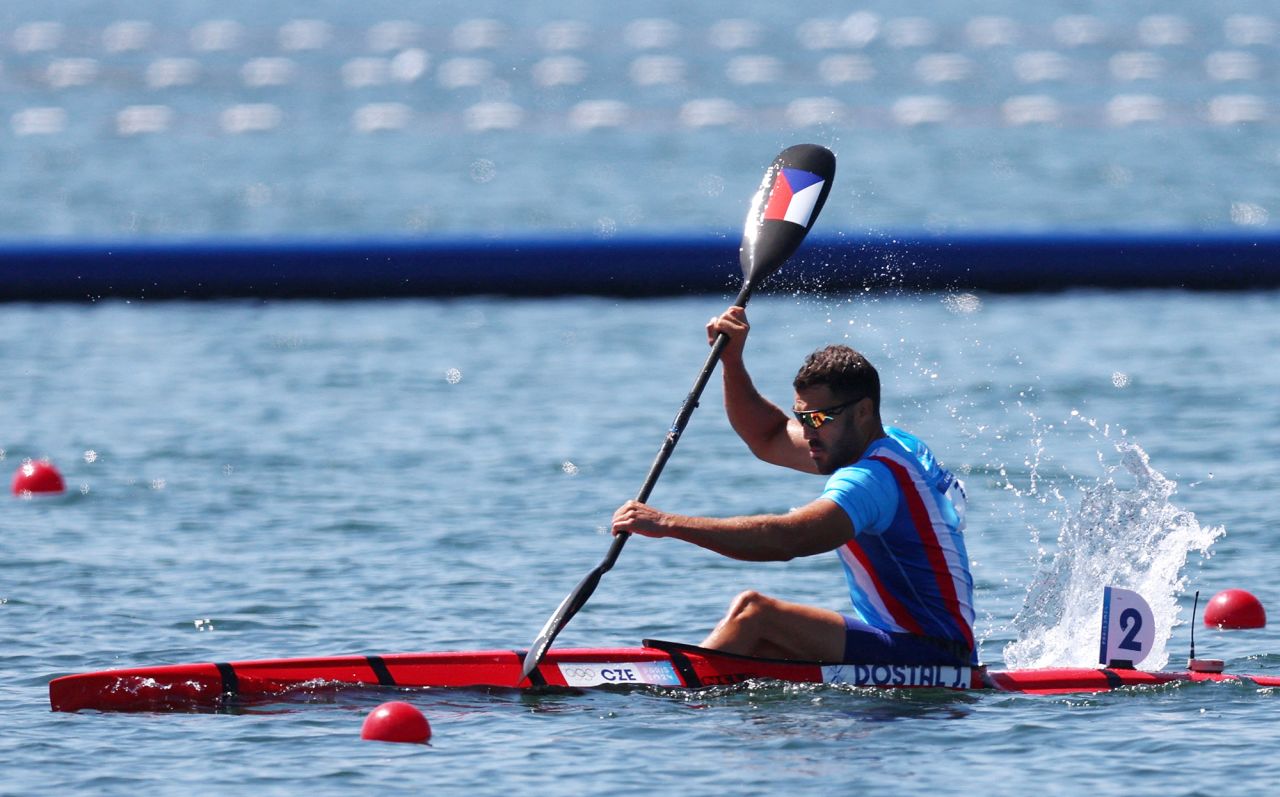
<point>578,672</point>
<point>606,673</point>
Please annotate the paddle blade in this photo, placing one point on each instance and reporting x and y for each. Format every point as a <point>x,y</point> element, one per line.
<point>791,196</point>
<point>568,608</point>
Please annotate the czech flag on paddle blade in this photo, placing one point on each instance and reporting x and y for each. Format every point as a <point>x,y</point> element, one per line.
<point>794,194</point>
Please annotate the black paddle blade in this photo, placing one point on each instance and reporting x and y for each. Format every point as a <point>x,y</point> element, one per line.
<point>791,196</point>
<point>564,612</point>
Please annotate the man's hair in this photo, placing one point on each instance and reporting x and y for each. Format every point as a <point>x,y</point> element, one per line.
<point>847,373</point>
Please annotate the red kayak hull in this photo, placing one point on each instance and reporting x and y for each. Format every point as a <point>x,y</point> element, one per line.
<point>209,686</point>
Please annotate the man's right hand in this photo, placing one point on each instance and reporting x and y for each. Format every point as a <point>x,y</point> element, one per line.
<point>634,517</point>
<point>732,322</point>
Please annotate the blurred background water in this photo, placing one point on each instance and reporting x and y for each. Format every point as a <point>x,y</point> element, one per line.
<point>261,479</point>
<point>133,118</point>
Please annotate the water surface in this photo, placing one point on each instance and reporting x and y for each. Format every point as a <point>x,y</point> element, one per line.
<point>254,480</point>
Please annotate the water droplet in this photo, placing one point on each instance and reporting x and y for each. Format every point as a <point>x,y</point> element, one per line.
<point>569,468</point>
<point>962,303</point>
<point>483,170</point>
<point>1117,176</point>
<point>453,376</point>
<point>257,195</point>
<point>1120,379</point>
<point>90,456</point>
<point>1247,214</point>
<point>712,185</point>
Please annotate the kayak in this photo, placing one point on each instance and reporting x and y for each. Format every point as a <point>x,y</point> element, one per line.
<point>216,685</point>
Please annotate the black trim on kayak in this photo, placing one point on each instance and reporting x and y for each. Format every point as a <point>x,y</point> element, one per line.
<point>683,666</point>
<point>535,677</point>
<point>683,648</point>
<point>679,660</point>
<point>1114,680</point>
<point>230,683</point>
<point>985,678</point>
<point>379,667</point>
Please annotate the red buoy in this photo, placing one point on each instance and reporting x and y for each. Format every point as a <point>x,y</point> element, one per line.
<point>37,477</point>
<point>1235,608</point>
<point>396,721</point>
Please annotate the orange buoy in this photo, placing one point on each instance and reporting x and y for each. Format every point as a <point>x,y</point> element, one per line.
<point>396,721</point>
<point>37,476</point>
<point>1234,609</point>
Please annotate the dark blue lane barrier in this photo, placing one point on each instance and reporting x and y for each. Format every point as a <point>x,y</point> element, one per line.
<point>694,263</point>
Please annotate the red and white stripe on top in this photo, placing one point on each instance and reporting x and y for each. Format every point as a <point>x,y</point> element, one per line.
<point>907,567</point>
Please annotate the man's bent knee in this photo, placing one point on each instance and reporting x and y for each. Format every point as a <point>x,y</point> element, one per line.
<point>749,604</point>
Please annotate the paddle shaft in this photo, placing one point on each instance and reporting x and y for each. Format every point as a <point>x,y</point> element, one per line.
<point>677,428</point>
<point>576,599</point>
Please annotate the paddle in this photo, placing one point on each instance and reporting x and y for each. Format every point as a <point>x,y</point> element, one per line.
<point>794,188</point>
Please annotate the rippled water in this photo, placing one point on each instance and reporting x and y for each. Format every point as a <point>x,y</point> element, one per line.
<point>260,480</point>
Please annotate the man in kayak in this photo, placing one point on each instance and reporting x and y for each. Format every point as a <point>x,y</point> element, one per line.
<point>889,510</point>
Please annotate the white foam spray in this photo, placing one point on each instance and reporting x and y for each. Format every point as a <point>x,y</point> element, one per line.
<point>1132,537</point>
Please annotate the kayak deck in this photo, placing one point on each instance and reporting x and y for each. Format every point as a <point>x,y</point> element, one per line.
<point>211,685</point>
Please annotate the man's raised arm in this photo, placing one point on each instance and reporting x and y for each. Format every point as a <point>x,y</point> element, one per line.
<point>766,429</point>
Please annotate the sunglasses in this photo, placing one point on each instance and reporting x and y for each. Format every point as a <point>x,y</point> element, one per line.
<point>815,419</point>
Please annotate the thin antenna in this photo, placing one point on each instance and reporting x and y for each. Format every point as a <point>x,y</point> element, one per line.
<point>1194,605</point>
<point>1194,664</point>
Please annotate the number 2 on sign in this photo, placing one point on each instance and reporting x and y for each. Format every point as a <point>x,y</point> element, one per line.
<point>1131,624</point>
<point>1128,627</point>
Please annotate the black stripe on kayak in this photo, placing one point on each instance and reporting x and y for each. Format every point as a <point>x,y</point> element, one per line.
<point>230,683</point>
<point>683,666</point>
<point>1114,681</point>
<point>677,651</point>
<point>535,677</point>
<point>379,667</point>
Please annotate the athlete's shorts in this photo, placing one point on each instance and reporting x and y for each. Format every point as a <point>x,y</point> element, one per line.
<point>864,644</point>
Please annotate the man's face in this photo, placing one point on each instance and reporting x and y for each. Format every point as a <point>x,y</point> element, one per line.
<point>838,442</point>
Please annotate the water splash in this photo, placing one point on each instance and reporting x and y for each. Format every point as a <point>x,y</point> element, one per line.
<point>1134,538</point>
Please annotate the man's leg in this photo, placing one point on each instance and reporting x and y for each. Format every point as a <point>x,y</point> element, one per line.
<point>758,625</point>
